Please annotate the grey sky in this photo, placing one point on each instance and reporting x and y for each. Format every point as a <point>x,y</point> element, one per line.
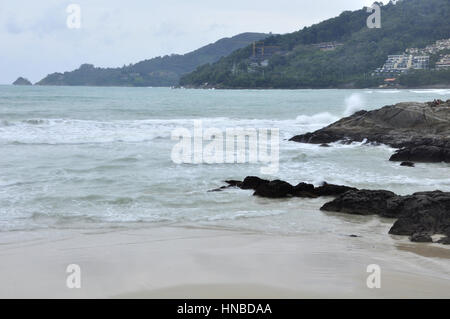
<point>35,40</point>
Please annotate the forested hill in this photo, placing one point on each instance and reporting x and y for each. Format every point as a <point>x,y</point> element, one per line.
<point>358,50</point>
<point>160,71</point>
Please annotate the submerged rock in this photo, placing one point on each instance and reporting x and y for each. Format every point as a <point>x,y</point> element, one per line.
<point>407,164</point>
<point>234,183</point>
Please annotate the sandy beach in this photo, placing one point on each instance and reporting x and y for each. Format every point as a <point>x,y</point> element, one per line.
<point>187,262</point>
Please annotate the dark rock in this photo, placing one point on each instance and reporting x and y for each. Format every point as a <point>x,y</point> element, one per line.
<point>360,202</point>
<point>234,183</point>
<point>219,189</point>
<point>304,190</point>
<point>408,164</point>
<point>421,212</point>
<point>305,195</point>
<point>274,189</point>
<point>325,145</point>
<point>354,236</point>
<point>421,238</point>
<point>404,125</point>
<point>423,153</point>
<point>253,182</point>
<point>444,241</point>
<point>331,190</point>
<point>424,213</point>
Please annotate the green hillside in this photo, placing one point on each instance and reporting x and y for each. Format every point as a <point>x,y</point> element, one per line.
<point>299,64</point>
<point>160,71</point>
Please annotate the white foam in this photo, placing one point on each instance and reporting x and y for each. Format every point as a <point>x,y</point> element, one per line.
<point>354,103</point>
<point>69,131</point>
<point>432,91</point>
<point>388,91</point>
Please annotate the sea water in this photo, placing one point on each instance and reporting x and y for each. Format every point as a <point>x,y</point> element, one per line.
<point>87,157</point>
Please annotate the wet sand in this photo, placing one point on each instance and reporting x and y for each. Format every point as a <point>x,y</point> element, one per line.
<point>189,262</point>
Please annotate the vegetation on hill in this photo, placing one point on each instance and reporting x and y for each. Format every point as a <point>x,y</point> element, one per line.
<point>160,71</point>
<point>405,24</point>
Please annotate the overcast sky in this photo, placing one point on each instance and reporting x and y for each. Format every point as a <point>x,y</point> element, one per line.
<point>36,41</point>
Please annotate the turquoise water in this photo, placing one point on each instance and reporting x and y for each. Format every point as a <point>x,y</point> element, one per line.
<point>101,157</point>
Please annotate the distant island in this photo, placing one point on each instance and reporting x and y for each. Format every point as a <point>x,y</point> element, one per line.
<point>343,52</point>
<point>22,81</point>
<point>160,71</point>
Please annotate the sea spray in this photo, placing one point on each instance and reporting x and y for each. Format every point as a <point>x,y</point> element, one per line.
<point>354,103</point>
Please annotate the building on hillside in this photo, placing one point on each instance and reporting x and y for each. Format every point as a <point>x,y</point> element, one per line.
<point>431,49</point>
<point>261,52</point>
<point>420,62</point>
<point>444,62</point>
<point>397,64</point>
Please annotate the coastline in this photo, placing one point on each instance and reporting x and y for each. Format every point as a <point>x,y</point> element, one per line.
<point>425,87</point>
<point>192,262</point>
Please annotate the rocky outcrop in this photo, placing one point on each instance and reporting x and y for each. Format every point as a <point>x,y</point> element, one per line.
<point>252,182</point>
<point>274,189</point>
<point>424,154</point>
<point>332,190</point>
<point>282,189</point>
<point>22,81</point>
<point>420,130</point>
<point>421,238</point>
<point>420,215</point>
<point>360,202</point>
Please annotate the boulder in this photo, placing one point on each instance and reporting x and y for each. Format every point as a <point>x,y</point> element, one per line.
<point>332,190</point>
<point>407,164</point>
<point>304,190</point>
<point>423,153</point>
<point>426,212</point>
<point>360,202</point>
<point>253,182</point>
<point>274,189</point>
<point>421,238</point>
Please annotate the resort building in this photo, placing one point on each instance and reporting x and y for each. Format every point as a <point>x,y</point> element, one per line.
<point>444,62</point>
<point>396,64</point>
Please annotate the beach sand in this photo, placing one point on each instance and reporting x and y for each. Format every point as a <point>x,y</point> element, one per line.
<point>192,262</point>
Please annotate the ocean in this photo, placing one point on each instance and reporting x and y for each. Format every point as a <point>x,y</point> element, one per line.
<point>100,158</point>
